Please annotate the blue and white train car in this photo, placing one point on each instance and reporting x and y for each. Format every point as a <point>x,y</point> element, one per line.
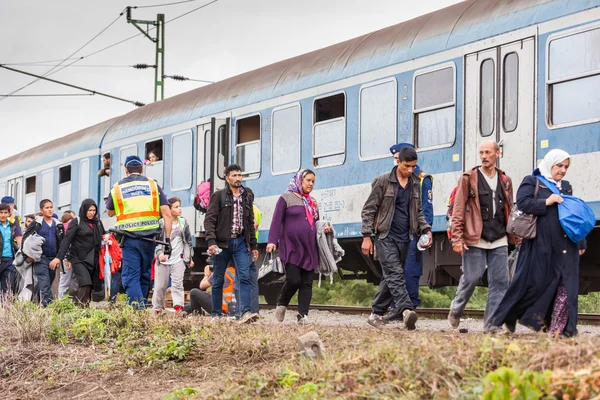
<point>524,73</point>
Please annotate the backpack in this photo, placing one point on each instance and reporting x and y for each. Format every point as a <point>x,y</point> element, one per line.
<point>202,197</point>
<point>450,210</point>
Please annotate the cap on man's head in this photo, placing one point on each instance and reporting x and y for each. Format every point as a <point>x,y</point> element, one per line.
<point>132,160</point>
<point>8,200</point>
<point>397,147</point>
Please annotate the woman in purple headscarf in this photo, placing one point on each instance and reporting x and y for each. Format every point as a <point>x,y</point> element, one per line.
<point>293,230</point>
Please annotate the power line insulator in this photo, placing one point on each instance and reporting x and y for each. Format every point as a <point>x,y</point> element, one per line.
<point>179,78</point>
<point>138,104</point>
<point>143,66</point>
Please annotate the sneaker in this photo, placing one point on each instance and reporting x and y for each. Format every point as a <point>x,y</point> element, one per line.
<point>409,318</point>
<point>453,320</point>
<point>375,321</point>
<point>248,318</point>
<point>303,320</point>
<point>280,313</point>
<point>157,313</point>
<point>178,309</point>
<point>392,315</point>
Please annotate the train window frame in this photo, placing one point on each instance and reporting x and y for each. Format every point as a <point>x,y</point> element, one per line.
<point>316,124</point>
<point>417,111</point>
<point>160,163</point>
<point>50,173</point>
<point>222,144</point>
<point>122,173</point>
<point>281,108</point>
<point>84,180</point>
<point>493,81</point>
<point>517,85</point>
<point>60,202</point>
<point>248,175</point>
<point>364,87</point>
<point>28,194</point>
<point>174,156</point>
<point>3,189</point>
<point>549,83</point>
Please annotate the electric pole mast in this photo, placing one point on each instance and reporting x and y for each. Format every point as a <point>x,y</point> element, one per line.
<point>159,40</point>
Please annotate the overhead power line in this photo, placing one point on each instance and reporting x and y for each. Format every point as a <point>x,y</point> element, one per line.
<point>164,5</point>
<point>78,66</point>
<point>136,103</point>
<point>191,11</point>
<point>49,72</point>
<point>47,95</point>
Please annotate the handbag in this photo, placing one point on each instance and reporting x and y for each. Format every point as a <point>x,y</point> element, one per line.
<point>523,224</point>
<point>271,269</point>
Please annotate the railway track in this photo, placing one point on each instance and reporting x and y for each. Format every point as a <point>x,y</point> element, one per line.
<point>592,319</point>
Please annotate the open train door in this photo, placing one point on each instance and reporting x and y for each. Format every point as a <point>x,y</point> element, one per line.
<point>500,106</point>
<point>213,157</point>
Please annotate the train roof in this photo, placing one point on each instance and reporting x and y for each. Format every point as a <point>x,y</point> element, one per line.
<point>444,29</point>
<point>84,140</point>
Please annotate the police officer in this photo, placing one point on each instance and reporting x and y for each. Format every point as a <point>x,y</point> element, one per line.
<point>413,266</point>
<point>138,202</point>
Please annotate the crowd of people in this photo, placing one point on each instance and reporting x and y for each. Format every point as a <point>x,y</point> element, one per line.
<point>397,217</point>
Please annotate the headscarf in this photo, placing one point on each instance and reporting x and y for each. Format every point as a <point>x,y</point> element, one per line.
<point>94,222</point>
<point>310,206</point>
<point>552,158</point>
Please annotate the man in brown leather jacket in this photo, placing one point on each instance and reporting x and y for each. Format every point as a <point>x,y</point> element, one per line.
<point>481,209</point>
<point>394,212</point>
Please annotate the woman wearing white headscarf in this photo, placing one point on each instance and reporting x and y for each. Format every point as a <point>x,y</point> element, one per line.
<point>543,293</point>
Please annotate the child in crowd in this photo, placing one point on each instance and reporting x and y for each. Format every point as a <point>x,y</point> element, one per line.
<point>66,273</point>
<point>10,242</point>
<point>174,265</point>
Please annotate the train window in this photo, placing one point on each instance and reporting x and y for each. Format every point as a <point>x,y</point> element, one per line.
<point>64,186</point>
<point>64,174</point>
<point>574,78</point>
<point>30,196</point>
<point>510,96</point>
<point>181,161</point>
<point>84,180</point>
<point>286,140</point>
<point>123,153</point>
<point>378,115</point>
<point>434,107</point>
<point>207,152</point>
<point>30,185</point>
<point>329,130</point>
<point>154,161</point>
<point>222,153</point>
<point>2,189</point>
<point>487,98</point>
<point>247,149</point>
<point>47,188</point>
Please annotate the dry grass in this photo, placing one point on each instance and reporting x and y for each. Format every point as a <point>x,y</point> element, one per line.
<point>65,352</point>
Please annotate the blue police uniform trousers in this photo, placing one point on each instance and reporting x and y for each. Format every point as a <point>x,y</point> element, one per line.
<point>137,263</point>
<point>413,269</point>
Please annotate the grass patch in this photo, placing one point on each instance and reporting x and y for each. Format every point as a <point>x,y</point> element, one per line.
<point>63,351</point>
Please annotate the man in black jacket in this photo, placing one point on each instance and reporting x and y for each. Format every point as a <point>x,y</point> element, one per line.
<point>230,234</point>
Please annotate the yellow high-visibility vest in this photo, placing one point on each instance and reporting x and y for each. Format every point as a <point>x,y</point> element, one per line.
<point>137,205</point>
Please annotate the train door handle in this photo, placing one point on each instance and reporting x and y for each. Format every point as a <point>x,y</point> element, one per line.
<point>501,145</point>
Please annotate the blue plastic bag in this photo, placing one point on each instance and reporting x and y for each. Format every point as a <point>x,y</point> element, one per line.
<point>576,218</point>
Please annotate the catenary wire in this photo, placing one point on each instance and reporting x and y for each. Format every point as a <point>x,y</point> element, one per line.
<point>47,95</point>
<point>136,103</point>
<point>50,71</point>
<point>165,4</point>
<point>78,66</point>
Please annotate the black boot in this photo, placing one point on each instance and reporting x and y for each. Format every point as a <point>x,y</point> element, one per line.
<point>393,315</point>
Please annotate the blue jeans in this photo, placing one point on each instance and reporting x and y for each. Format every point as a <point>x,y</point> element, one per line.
<point>115,285</point>
<point>7,275</point>
<point>135,276</point>
<point>253,291</point>
<point>475,261</point>
<point>242,258</point>
<point>44,276</point>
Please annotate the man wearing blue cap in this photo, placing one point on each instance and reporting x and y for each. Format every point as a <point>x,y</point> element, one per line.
<point>14,217</point>
<point>392,214</point>
<point>413,266</point>
<point>138,203</point>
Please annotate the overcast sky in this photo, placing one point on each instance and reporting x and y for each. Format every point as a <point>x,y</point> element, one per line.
<point>221,40</point>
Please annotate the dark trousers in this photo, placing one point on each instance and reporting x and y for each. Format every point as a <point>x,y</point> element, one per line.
<point>135,277</point>
<point>45,276</point>
<point>391,254</point>
<point>237,251</point>
<point>7,275</point>
<point>297,280</point>
<point>413,269</point>
<point>115,285</point>
<point>199,301</point>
